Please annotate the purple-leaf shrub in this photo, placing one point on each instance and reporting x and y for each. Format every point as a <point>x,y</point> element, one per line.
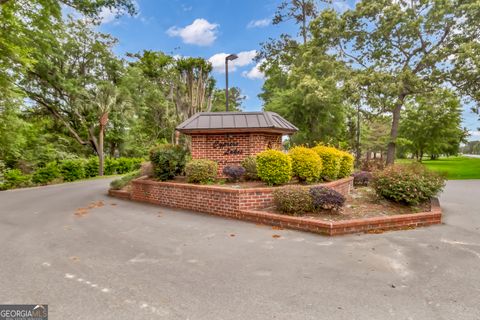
<point>234,173</point>
<point>326,198</point>
<point>362,178</point>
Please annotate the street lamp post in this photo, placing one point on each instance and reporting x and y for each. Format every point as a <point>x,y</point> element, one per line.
<point>227,58</point>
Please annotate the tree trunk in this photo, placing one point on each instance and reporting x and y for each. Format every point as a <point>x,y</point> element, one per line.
<point>358,151</point>
<point>394,131</point>
<point>103,122</point>
<point>100,151</point>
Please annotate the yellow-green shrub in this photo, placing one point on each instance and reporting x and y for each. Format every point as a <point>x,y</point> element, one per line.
<point>306,164</point>
<point>330,161</point>
<point>346,164</point>
<point>274,167</point>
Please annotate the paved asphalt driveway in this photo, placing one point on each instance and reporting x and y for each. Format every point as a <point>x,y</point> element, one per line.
<point>127,260</point>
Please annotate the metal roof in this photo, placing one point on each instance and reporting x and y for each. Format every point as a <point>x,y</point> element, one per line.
<point>213,122</point>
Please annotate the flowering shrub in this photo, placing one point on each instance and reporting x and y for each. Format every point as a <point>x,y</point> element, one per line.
<point>410,184</point>
<point>274,167</point>
<point>250,166</point>
<point>306,164</point>
<point>201,171</point>
<point>362,178</point>
<point>330,161</point>
<point>293,200</point>
<point>346,164</point>
<point>326,198</point>
<point>234,173</point>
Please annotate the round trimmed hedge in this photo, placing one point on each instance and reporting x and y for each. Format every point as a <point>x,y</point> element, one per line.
<point>201,171</point>
<point>330,161</point>
<point>274,167</point>
<point>346,165</point>
<point>306,164</point>
<point>293,200</point>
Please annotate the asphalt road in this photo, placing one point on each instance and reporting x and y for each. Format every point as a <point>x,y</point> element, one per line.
<point>126,260</point>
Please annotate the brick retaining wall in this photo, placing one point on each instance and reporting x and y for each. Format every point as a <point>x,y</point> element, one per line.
<point>213,199</point>
<point>246,204</point>
<point>376,224</point>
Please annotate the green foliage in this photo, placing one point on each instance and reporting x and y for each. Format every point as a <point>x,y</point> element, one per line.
<point>293,199</point>
<point>330,160</point>
<point>401,49</point>
<point>250,165</point>
<point>120,183</point>
<point>274,167</point>
<point>124,165</point>
<point>2,171</point>
<point>432,124</point>
<point>46,174</point>
<point>111,165</point>
<point>315,104</point>
<point>14,178</point>
<point>72,169</point>
<point>410,184</point>
<point>346,165</point>
<point>306,164</point>
<point>201,171</point>
<point>168,160</point>
<point>92,167</point>
<point>235,100</point>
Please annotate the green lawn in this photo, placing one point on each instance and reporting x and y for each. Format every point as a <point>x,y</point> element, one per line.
<point>456,168</point>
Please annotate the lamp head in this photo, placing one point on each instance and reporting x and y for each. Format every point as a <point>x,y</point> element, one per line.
<point>231,57</point>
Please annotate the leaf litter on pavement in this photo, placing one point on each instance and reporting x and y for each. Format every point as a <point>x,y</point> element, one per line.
<point>80,212</point>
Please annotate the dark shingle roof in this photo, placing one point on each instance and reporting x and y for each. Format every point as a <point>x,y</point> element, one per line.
<point>205,122</point>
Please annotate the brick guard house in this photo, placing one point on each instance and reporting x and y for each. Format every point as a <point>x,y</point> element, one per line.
<point>229,137</point>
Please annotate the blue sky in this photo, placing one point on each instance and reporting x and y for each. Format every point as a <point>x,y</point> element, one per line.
<point>208,29</point>
<point>211,29</point>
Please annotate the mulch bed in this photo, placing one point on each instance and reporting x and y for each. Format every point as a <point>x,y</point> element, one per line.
<point>363,203</point>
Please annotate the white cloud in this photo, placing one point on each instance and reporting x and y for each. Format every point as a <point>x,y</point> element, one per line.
<point>107,15</point>
<point>341,5</point>
<point>254,73</point>
<point>474,133</point>
<point>186,8</point>
<point>258,23</point>
<point>200,32</point>
<point>244,58</point>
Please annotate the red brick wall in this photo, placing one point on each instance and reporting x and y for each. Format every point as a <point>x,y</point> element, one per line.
<point>231,149</point>
<point>213,199</point>
<point>244,204</point>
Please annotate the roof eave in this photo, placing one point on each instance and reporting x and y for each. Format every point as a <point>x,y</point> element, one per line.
<point>237,130</point>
